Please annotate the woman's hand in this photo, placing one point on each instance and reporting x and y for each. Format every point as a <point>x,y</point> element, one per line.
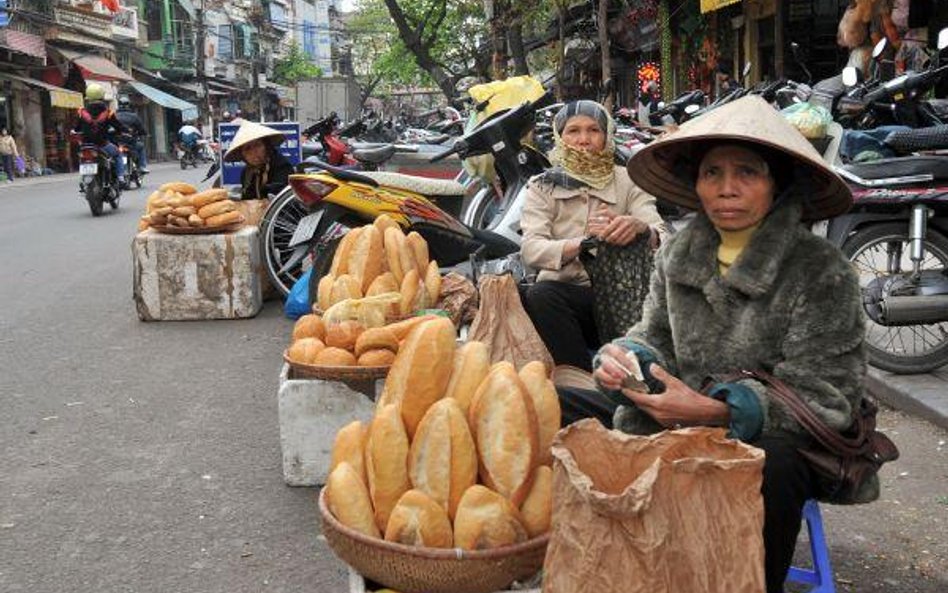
<point>609,375</point>
<point>622,230</point>
<point>678,405</point>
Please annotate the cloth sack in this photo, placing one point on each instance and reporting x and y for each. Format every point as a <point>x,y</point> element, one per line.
<point>620,283</point>
<point>503,324</point>
<point>672,512</point>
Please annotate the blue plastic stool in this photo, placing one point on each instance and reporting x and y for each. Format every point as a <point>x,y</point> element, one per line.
<point>821,575</point>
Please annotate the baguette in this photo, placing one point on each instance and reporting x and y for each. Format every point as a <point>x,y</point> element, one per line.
<point>348,500</point>
<point>365,258</point>
<point>144,223</point>
<point>156,219</point>
<point>504,424</point>
<point>486,520</point>
<point>401,329</point>
<point>178,186</point>
<point>384,221</point>
<point>349,447</point>
<point>471,365</point>
<point>547,405</point>
<point>215,208</point>
<point>331,356</point>
<point>394,240</point>
<point>208,196</point>
<point>344,335</point>
<point>340,259</point>
<point>411,285</point>
<point>309,326</point>
<point>195,220</point>
<point>324,292</point>
<point>417,520</point>
<point>376,338</point>
<point>419,250</point>
<point>537,508</point>
<point>230,217</point>
<point>442,462</point>
<point>184,211</point>
<point>386,462</point>
<point>345,287</point>
<point>421,371</point>
<point>376,358</point>
<point>305,350</point>
<point>433,283</point>
<point>178,221</point>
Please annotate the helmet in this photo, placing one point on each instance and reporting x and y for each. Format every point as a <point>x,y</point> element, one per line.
<point>94,92</point>
<point>124,101</point>
<point>227,116</point>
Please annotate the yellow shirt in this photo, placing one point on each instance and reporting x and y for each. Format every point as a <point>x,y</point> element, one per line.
<point>732,244</point>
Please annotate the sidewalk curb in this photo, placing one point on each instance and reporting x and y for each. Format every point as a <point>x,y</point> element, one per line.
<point>925,396</point>
<point>60,177</point>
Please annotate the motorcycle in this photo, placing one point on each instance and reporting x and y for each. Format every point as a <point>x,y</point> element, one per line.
<point>326,203</point>
<point>133,172</point>
<point>98,180</point>
<point>189,156</point>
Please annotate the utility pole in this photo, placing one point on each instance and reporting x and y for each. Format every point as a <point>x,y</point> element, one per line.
<point>201,72</point>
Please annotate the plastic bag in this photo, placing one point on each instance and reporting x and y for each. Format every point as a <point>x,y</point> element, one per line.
<point>677,511</point>
<point>20,165</point>
<point>297,302</point>
<point>811,120</point>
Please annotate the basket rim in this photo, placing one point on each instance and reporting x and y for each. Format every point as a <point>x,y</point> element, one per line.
<point>334,370</point>
<point>214,230</point>
<point>428,553</point>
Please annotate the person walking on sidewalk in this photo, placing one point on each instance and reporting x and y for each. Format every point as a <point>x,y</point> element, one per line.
<point>8,152</point>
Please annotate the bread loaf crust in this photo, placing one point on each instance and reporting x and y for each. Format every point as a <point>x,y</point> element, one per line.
<point>547,406</point>
<point>216,208</point>
<point>504,424</point>
<point>324,292</point>
<point>537,508</point>
<point>376,338</point>
<point>386,462</point>
<point>348,500</point>
<point>376,358</point>
<point>487,520</point>
<point>417,520</point>
<point>334,357</point>
<point>309,326</point>
<point>365,259</point>
<point>340,260</point>
<point>349,447</point>
<point>345,287</point>
<point>421,370</point>
<point>230,217</point>
<point>433,283</point>
<point>471,365</point>
<point>409,291</point>
<point>401,329</point>
<point>419,250</point>
<point>305,350</point>
<point>442,462</point>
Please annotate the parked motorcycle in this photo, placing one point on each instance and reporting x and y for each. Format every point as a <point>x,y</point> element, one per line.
<point>98,180</point>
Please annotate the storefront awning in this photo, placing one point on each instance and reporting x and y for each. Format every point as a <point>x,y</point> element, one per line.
<point>188,7</point>
<point>95,67</point>
<point>712,5</point>
<point>24,43</point>
<point>58,97</point>
<point>188,110</point>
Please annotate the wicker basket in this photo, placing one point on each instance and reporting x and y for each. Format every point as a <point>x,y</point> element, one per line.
<point>428,570</point>
<point>198,230</point>
<point>336,373</point>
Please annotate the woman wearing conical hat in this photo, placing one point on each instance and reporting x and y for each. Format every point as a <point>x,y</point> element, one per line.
<point>745,286</point>
<point>267,171</point>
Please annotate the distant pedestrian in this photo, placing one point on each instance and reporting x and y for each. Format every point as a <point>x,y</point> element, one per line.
<point>8,152</point>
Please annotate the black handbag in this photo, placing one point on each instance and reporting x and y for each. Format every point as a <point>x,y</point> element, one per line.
<point>844,463</point>
<point>620,281</point>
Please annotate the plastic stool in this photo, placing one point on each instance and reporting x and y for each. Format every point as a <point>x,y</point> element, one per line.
<point>821,575</point>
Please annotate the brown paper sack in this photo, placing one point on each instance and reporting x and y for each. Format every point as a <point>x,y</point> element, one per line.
<point>458,298</point>
<point>504,326</point>
<point>672,512</point>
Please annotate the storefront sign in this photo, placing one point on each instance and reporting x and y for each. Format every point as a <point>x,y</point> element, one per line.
<point>291,148</point>
<point>90,22</point>
<point>125,23</point>
<point>712,5</point>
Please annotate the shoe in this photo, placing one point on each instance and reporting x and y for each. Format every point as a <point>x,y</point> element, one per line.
<point>144,170</point>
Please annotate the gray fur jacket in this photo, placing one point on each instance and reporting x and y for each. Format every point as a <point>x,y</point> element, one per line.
<point>790,305</point>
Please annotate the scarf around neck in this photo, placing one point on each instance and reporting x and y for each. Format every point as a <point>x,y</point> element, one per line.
<point>593,168</point>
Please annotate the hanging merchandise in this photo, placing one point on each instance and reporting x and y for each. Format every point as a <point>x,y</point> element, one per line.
<point>648,72</point>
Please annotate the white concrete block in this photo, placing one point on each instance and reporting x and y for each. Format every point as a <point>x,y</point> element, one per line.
<point>311,413</point>
<point>357,585</point>
<point>182,277</point>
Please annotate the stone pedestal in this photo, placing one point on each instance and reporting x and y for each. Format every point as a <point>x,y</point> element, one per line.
<point>188,277</point>
<point>311,413</point>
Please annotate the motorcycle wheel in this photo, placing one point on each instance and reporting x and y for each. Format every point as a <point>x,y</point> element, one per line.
<point>184,164</point>
<point>276,230</point>
<point>482,210</point>
<point>909,349</point>
<point>94,196</point>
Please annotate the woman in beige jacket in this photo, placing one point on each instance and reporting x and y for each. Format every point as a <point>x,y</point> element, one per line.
<point>8,152</point>
<point>583,195</point>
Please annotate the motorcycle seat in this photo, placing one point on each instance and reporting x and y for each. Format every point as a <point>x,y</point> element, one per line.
<point>940,107</point>
<point>374,156</point>
<point>931,138</point>
<point>422,185</point>
<point>437,139</point>
<point>936,166</point>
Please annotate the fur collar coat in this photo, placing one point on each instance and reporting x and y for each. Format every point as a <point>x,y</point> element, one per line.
<point>790,305</point>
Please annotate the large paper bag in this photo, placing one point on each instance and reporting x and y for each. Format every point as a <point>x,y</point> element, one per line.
<point>678,511</point>
<point>503,324</point>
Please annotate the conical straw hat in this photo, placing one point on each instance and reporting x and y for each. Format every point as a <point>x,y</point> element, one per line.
<point>665,168</point>
<point>247,133</point>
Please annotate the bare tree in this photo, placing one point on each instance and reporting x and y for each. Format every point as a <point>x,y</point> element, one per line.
<point>419,36</point>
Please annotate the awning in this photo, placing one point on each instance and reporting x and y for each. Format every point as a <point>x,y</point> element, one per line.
<point>229,88</point>
<point>188,110</point>
<point>58,97</point>
<point>188,7</point>
<point>95,67</point>
<point>712,5</point>
<point>24,43</point>
<point>193,87</point>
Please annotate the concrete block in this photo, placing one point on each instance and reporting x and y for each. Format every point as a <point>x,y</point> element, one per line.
<point>357,584</point>
<point>311,413</point>
<point>185,277</point>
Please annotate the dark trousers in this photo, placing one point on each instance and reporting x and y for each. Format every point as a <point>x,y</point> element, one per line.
<point>788,481</point>
<point>8,165</point>
<point>563,316</point>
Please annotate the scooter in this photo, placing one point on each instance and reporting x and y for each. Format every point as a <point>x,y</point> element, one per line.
<point>328,201</point>
<point>133,172</point>
<point>97,179</point>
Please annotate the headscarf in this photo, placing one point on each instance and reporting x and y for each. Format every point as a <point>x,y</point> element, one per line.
<point>571,165</point>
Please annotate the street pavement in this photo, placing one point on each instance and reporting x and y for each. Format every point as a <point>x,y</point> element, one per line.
<point>145,457</point>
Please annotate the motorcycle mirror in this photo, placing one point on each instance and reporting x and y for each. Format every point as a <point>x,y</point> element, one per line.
<point>691,109</point>
<point>879,48</point>
<point>795,50</point>
<point>661,105</point>
<point>943,39</point>
<point>747,70</point>
<point>850,76</point>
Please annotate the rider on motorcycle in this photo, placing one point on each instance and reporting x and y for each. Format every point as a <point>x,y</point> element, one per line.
<point>96,124</point>
<point>189,135</point>
<point>134,123</point>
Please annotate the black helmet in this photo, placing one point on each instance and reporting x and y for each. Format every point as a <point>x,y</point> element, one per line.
<point>124,102</point>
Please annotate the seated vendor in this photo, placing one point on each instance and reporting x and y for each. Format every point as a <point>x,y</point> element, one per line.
<point>267,171</point>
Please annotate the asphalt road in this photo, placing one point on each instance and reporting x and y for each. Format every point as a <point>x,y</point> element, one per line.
<point>145,457</point>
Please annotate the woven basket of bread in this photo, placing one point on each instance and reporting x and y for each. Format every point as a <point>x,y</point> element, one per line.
<point>335,373</point>
<point>411,569</point>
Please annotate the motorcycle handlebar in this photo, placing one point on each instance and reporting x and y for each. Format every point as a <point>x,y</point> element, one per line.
<point>459,146</point>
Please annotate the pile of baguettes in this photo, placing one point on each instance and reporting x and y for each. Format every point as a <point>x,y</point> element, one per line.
<point>458,453</point>
<point>179,204</point>
<point>379,258</point>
